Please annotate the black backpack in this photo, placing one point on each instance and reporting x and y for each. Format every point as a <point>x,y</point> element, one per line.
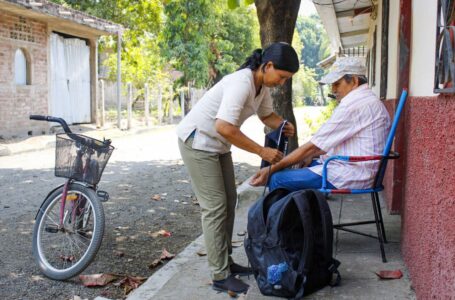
<point>289,243</point>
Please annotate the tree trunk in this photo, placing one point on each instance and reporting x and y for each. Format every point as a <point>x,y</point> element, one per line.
<point>277,20</point>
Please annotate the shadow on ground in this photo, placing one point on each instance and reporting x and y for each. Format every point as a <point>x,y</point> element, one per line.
<point>131,216</point>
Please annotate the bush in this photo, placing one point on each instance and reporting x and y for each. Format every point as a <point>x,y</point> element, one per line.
<point>326,113</point>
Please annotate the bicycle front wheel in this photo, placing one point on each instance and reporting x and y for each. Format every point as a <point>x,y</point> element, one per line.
<point>67,237</point>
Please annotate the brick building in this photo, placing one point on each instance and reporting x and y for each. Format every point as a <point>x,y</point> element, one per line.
<point>48,64</point>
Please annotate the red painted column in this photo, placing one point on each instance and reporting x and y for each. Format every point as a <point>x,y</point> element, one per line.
<point>395,185</point>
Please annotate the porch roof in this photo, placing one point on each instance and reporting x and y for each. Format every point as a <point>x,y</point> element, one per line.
<point>347,22</point>
<point>63,17</point>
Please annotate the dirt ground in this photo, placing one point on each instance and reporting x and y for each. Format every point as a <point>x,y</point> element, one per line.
<point>142,166</point>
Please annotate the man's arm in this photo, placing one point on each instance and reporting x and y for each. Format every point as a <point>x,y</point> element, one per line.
<point>236,137</point>
<point>307,150</point>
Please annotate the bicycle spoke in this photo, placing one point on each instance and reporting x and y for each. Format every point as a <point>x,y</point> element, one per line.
<point>66,247</point>
<point>48,217</point>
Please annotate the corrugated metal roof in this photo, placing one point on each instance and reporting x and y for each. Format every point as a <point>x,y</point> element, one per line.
<point>66,17</point>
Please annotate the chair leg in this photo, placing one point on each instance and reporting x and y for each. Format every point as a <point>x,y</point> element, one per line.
<point>378,228</point>
<point>381,220</point>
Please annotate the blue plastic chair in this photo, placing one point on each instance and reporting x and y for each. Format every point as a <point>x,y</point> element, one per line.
<point>377,185</point>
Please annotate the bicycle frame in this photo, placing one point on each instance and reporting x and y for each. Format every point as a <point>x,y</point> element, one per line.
<point>74,212</point>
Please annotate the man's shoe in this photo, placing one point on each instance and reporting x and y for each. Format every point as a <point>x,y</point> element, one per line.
<point>230,284</point>
<point>240,270</point>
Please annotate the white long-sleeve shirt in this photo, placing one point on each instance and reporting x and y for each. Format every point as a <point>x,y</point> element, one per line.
<point>233,100</point>
<point>358,127</point>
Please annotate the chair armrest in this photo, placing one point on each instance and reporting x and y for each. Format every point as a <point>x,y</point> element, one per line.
<point>392,155</point>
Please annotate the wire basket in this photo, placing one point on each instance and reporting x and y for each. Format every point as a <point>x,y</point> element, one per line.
<point>80,157</point>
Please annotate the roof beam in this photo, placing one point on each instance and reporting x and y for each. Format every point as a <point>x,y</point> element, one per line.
<point>354,12</point>
<point>328,17</point>
<point>353,33</point>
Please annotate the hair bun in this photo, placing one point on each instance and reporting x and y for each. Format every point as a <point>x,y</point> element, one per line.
<point>253,61</point>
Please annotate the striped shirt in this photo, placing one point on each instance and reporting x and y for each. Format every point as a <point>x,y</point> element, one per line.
<point>358,126</point>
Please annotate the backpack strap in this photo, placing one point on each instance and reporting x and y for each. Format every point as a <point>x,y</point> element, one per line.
<point>327,226</point>
<point>334,270</point>
<point>301,201</point>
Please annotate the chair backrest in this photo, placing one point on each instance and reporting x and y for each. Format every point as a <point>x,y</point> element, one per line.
<point>396,118</point>
<point>389,142</point>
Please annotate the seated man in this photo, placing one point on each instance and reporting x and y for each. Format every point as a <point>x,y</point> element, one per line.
<point>358,126</point>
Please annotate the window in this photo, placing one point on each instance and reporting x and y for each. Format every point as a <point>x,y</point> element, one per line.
<point>445,66</point>
<point>21,68</point>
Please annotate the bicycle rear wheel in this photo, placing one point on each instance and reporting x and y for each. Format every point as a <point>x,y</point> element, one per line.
<point>64,249</point>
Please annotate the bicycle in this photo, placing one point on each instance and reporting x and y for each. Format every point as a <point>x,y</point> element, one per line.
<point>69,224</point>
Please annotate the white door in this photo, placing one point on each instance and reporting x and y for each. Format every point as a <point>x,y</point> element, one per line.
<point>70,79</point>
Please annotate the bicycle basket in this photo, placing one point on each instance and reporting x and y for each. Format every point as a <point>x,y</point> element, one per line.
<point>81,157</point>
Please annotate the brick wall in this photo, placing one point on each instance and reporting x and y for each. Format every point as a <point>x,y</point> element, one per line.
<point>17,102</point>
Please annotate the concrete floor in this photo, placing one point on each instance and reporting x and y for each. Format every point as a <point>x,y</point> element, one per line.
<point>187,276</point>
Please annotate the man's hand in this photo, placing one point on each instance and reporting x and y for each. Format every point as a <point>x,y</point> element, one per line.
<point>288,129</point>
<point>260,178</point>
<point>271,155</point>
<point>305,162</point>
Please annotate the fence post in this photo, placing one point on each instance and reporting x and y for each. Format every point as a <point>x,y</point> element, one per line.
<point>146,104</point>
<point>130,103</point>
<point>171,106</point>
<point>193,100</point>
<point>182,102</point>
<point>190,99</point>
<point>97,107</point>
<point>119,79</point>
<point>160,105</point>
<point>103,99</point>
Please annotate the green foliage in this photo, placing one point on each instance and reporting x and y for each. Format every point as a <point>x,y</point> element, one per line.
<point>305,87</point>
<point>233,4</point>
<point>184,43</point>
<point>326,113</point>
<point>142,20</point>
<point>205,40</point>
<point>235,38</point>
<point>315,42</point>
<point>314,47</point>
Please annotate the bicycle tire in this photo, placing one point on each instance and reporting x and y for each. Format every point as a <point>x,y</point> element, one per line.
<point>61,267</point>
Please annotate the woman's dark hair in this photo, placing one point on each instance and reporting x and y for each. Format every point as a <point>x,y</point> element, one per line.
<point>281,54</point>
<point>253,61</point>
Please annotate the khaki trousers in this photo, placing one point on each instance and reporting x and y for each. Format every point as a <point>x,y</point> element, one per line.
<point>213,182</point>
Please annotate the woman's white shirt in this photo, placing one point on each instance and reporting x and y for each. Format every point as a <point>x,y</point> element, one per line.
<point>232,100</point>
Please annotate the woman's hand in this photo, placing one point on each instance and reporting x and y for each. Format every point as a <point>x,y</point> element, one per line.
<point>260,178</point>
<point>288,129</point>
<point>271,155</point>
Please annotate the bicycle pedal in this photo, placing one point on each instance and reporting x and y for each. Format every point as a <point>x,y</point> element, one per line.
<point>51,228</point>
<point>103,195</point>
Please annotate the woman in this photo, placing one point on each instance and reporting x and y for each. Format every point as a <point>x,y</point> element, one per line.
<point>205,138</point>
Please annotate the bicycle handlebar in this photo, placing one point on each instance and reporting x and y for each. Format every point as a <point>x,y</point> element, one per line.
<point>52,119</point>
<point>84,141</point>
